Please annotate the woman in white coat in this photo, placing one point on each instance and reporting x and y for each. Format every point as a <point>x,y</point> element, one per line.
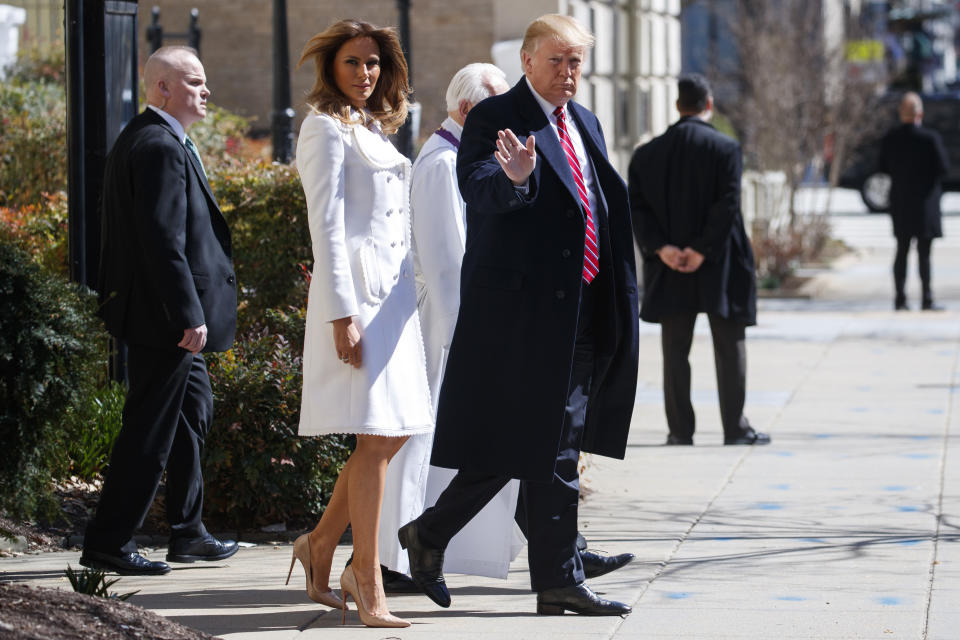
<point>364,370</point>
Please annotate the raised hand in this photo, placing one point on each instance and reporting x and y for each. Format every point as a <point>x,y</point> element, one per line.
<point>516,159</point>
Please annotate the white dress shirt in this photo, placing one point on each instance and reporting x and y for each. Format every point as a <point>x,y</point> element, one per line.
<point>586,167</point>
<point>173,122</point>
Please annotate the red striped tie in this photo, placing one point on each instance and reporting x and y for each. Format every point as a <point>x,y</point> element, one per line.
<point>591,254</point>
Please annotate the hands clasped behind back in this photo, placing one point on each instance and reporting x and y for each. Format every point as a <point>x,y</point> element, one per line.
<point>685,260</point>
<point>346,340</point>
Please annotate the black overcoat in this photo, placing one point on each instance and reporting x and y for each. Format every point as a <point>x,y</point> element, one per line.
<point>165,261</point>
<point>916,161</point>
<point>685,191</point>
<point>501,404</point>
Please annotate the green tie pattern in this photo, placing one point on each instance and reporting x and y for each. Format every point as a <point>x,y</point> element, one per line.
<point>192,148</point>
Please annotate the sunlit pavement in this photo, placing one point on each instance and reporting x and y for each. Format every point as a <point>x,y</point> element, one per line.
<point>845,527</point>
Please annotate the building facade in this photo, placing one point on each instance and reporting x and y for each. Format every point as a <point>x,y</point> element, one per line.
<point>629,81</point>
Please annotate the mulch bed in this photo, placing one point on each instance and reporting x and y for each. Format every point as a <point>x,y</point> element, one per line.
<point>31,613</point>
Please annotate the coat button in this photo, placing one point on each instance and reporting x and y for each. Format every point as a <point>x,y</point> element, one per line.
<point>565,253</point>
<point>561,294</point>
<point>393,244</point>
<point>229,279</point>
<point>389,178</point>
<point>389,212</point>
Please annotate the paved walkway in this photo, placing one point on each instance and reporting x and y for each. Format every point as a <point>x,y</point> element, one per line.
<point>845,527</point>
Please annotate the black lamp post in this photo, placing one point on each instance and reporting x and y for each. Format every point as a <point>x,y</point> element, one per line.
<point>405,134</point>
<point>282,117</point>
<point>101,47</point>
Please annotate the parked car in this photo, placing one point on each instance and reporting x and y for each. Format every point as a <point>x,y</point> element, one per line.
<point>941,111</point>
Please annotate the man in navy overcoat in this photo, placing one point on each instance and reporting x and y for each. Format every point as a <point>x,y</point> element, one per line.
<point>543,363</point>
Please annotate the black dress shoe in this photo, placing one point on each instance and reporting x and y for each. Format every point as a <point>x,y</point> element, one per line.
<point>678,440</point>
<point>396,582</point>
<point>203,548</point>
<point>426,564</point>
<point>581,542</point>
<point>393,581</point>
<point>930,305</point>
<point>749,436</point>
<point>595,565</point>
<point>580,599</point>
<point>126,564</point>
<point>901,306</point>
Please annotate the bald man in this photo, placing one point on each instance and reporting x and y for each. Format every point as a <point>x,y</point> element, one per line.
<point>168,291</point>
<point>916,161</point>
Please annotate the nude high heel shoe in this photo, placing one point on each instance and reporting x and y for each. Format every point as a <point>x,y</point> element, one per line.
<point>301,552</point>
<point>348,586</point>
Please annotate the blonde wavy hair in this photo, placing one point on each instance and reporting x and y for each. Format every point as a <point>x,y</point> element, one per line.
<point>388,102</point>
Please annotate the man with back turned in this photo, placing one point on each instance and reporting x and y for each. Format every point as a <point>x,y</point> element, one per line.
<point>685,201</point>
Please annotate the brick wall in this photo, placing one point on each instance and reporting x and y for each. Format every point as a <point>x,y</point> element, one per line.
<point>236,47</point>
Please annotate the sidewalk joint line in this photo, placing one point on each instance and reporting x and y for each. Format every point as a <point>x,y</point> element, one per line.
<point>935,553</point>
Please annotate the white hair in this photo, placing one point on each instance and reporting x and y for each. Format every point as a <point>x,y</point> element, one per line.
<point>473,83</point>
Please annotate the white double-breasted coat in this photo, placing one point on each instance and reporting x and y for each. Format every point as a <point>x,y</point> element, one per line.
<point>357,190</point>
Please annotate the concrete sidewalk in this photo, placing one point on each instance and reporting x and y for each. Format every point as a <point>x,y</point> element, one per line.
<point>845,527</point>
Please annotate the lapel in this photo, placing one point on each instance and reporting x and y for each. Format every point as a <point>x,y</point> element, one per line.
<point>548,144</point>
<point>197,169</point>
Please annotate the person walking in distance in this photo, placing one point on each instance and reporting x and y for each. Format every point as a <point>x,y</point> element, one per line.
<point>915,159</point>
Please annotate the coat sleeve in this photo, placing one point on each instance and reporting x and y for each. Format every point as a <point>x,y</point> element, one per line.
<point>483,184</point>
<point>943,160</point>
<point>724,210</point>
<point>158,167</point>
<point>439,233</point>
<point>646,228</point>
<point>320,163</point>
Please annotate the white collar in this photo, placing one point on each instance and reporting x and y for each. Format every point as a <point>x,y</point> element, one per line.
<point>451,125</point>
<point>173,122</point>
<point>546,105</point>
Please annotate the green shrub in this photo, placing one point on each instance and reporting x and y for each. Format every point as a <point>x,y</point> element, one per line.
<point>257,470</point>
<point>41,229</point>
<point>267,211</point>
<point>33,142</point>
<point>52,354</point>
<point>221,138</point>
<point>94,424</point>
<point>46,66</point>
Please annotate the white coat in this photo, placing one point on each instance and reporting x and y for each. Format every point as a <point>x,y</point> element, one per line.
<point>492,539</point>
<point>356,185</point>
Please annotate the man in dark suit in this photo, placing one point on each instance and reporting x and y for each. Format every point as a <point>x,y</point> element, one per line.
<point>916,161</point>
<point>543,362</point>
<point>168,290</point>
<point>685,201</point>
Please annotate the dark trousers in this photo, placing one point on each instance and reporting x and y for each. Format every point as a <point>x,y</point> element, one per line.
<point>551,507</point>
<point>730,358</point>
<point>166,417</point>
<point>900,268</point>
